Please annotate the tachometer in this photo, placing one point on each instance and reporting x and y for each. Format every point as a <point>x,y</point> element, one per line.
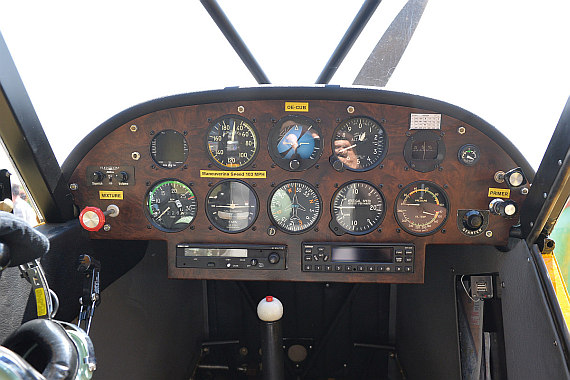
<point>232,206</point>
<point>232,142</point>
<point>294,206</point>
<point>357,208</point>
<point>171,205</point>
<point>421,208</point>
<point>360,143</point>
<point>295,143</point>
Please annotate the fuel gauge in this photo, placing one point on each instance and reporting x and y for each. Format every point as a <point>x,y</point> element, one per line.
<point>469,154</point>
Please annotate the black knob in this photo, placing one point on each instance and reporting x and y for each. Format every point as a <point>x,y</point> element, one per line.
<point>273,258</point>
<point>123,176</point>
<point>473,220</point>
<point>97,176</point>
<point>294,164</point>
<point>336,163</point>
<point>505,208</point>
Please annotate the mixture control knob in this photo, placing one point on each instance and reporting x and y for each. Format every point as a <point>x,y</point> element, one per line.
<point>273,258</point>
<point>93,219</point>
<point>97,176</point>
<point>505,208</point>
<point>473,220</point>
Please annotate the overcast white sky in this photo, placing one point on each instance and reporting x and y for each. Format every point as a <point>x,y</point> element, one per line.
<point>83,62</point>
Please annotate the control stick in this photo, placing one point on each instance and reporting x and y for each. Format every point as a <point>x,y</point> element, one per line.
<point>270,311</point>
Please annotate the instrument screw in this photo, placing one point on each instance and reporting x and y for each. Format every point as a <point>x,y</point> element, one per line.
<point>461,130</point>
<point>489,234</point>
<point>350,109</point>
<point>192,228</point>
<point>135,156</point>
<point>134,128</point>
<point>338,119</point>
<point>398,230</point>
<point>271,231</point>
<point>316,229</point>
<point>382,120</point>
<point>73,186</point>
<point>185,133</point>
<point>210,228</point>
<point>254,228</point>
<point>318,120</point>
<point>151,133</point>
<point>107,227</point>
<point>148,227</point>
<point>317,166</point>
<point>240,109</point>
<point>524,191</point>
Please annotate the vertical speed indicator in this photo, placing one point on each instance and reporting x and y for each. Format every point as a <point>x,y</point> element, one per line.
<point>358,207</point>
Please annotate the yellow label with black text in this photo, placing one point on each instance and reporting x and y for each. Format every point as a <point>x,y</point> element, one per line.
<point>233,174</point>
<point>296,107</point>
<point>499,193</point>
<point>110,195</point>
<point>41,302</point>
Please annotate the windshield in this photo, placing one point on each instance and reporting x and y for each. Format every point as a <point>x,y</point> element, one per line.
<point>81,64</point>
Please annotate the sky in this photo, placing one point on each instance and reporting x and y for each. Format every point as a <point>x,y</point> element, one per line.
<point>83,62</point>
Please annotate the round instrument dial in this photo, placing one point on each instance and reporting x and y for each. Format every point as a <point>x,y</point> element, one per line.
<point>421,208</point>
<point>232,142</point>
<point>232,206</point>
<point>294,206</point>
<point>360,143</point>
<point>469,154</point>
<point>170,205</point>
<point>169,149</point>
<point>424,151</point>
<point>295,143</point>
<point>358,207</point>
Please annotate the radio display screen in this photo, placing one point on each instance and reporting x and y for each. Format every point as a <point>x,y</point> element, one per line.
<point>363,254</point>
<point>214,252</point>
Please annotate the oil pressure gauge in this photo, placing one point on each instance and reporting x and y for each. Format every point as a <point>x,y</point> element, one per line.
<point>469,154</point>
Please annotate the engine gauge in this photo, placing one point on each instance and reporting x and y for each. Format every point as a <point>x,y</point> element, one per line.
<point>360,143</point>
<point>169,149</point>
<point>421,208</point>
<point>294,206</point>
<point>232,206</point>
<point>469,154</point>
<point>170,205</point>
<point>358,207</point>
<point>232,142</point>
<point>424,151</point>
<point>295,143</point>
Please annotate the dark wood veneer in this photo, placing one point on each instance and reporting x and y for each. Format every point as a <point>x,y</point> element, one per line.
<point>466,187</point>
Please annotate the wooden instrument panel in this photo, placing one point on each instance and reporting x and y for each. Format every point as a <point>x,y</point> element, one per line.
<point>128,145</point>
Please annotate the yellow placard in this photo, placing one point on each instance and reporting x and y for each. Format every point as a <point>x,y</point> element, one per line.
<point>499,193</point>
<point>41,302</point>
<point>112,195</point>
<point>233,174</point>
<point>296,107</point>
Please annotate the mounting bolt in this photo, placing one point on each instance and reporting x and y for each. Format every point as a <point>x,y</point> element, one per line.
<point>461,130</point>
<point>135,156</point>
<point>524,191</point>
<point>73,186</point>
<point>350,109</point>
<point>271,231</point>
<point>107,227</point>
<point>240,109</point>
<point>489,234</point>
<point>134,128</point>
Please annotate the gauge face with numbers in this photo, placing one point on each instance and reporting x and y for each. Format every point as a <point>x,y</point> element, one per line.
<point>232,206</point>
<point>295,143</point>
<point>171,205</point>
<point>294,206</point>
<point>232,142</point>
<point>358,207</point>
<point>421,208</point>
<point>360,143</point>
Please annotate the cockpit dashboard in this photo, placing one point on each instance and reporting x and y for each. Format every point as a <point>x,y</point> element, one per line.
<point>298,183</point>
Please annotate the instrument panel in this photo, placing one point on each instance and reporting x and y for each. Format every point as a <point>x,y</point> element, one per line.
<point>326,184</point>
